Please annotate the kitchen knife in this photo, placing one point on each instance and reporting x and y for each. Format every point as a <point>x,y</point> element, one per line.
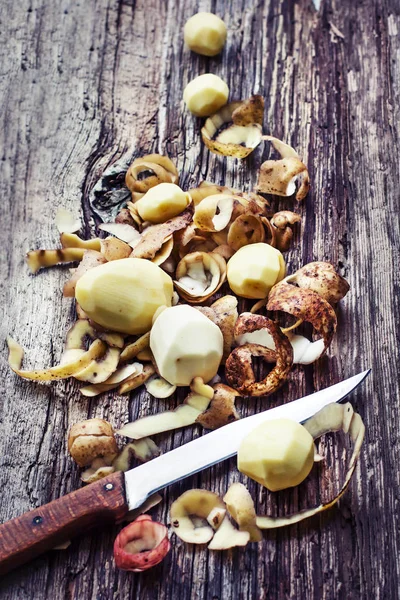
<point>109,499</point>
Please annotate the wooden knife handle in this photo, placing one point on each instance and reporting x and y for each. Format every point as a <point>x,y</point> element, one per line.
<point>39,530</point>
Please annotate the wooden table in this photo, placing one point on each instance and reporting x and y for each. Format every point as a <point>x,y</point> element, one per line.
<point>85,82</point>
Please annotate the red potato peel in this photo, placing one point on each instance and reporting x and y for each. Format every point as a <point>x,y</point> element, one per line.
<point>141,545</point>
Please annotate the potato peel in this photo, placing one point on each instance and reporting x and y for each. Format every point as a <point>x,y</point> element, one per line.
<point>221,410</point>
<point>185,414</point>
<point>154,237</point>
<point>159,169</point>
<point>239,370</point>
<point>90,260</point>
<point>304,304</point>
<point>321,277</point>
<point>82,329</point>
<point>242,136</point>
<point>136,380</point>
<point>282,223</point>
<point>240,506</point>
<point>227,536</point>
<point>141,545</point>
<point>113,381</point>
<point>135,347</point>
<point>71,240</point>
<point>331,418</point>
<point>114,249</point>
<point>246,229</point>
<point>199,275</point>
<point>38,259</point>
<point>214,212</point>
<point>279,177</point>
<point>223,312</point>
<point>100,369</point>
<point>96,350</point>
<point>144,450</point>
<point>194,503</point>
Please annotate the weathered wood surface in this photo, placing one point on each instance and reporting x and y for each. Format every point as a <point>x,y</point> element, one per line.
<point>83,83</point>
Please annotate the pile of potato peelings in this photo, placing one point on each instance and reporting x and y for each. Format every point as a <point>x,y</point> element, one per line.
<point>143,293</point>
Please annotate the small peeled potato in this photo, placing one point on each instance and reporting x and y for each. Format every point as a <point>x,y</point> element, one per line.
<point>205,94</point>
<point>162,202</point>
<point>277,454</point>
<point>254,270</point>
<point>205,33</point>
<point>124,294</point>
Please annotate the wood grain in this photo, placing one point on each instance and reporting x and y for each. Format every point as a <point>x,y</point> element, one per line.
<point>83,84</point>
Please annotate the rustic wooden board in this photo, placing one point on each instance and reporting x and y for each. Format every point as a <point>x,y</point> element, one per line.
<point>84,83</point>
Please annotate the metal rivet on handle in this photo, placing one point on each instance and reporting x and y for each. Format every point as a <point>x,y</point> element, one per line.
<point>108,487</point>
<point>37,520</point>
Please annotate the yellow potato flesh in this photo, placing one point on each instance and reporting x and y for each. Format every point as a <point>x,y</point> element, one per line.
<point>205,33</point>
<point>278,454</point>
<point>123,295</point>
<point>205,95</point>
<point>162,202</point>
<point>185,345</point>
<point>254,270</point>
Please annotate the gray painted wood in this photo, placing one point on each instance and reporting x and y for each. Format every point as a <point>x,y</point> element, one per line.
<point>83,83</point>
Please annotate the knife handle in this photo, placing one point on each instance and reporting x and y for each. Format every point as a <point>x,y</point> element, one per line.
<point>39,530</point>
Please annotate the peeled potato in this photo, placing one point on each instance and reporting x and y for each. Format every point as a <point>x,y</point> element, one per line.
<point>162,202</point>
<point>278,454</point>
<point>205,94</point>
<point>185,345</point>
<point>254,269</point>
<point>123,295</point>
<point>205,33</point>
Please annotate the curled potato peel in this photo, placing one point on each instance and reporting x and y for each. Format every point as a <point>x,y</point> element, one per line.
<point>206,189</point>
<point>240,506</point>
<point>214,212</point>
<point>136,380</point>
<point>133,349</point>
<point>199,275</point>
<point>282,222</point>
<point>306,305</point>
<point>321,277</point>
<point>242,136</point>
<point>141,545</point>
<point>222,408</point>
<point>239,370</point>
<point>150,170</point>
<point>119,376</point>
<point>83,330</point>
<point>223,312</point>
<point>279,177</point>
<point>246,229</point>
<point>194,503</point>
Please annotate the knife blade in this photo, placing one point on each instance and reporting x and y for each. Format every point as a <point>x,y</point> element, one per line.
<point>109,499</point>
<point>223,443</point>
